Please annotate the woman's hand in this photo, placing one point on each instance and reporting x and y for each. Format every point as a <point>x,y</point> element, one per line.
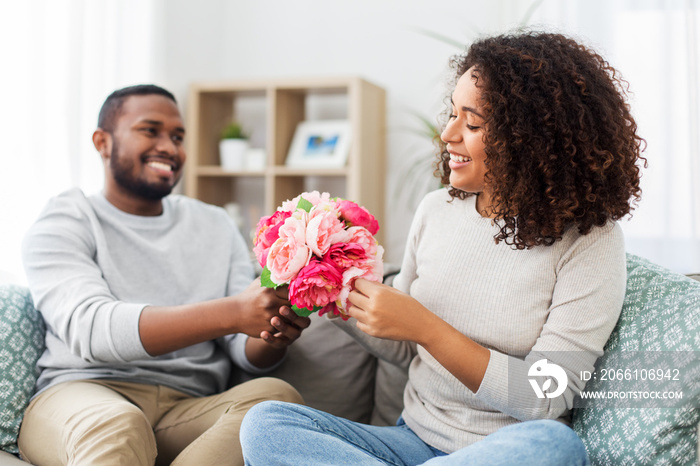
<point>385,312</point>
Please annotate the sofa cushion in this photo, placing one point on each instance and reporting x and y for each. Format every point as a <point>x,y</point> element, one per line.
<point>388,393</point>
<point>659,325</point>
<point>390,379</point>
<point>21,343</point>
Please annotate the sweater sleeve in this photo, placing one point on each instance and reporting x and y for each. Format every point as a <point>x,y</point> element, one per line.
<point>586,304</point>
<point>235,347</point>
<point>59,254</point>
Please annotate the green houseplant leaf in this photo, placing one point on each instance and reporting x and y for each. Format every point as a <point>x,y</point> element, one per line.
<point>233,130</point>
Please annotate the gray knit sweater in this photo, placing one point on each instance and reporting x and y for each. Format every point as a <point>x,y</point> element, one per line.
<point>558,302</point>
<point>92,268</point>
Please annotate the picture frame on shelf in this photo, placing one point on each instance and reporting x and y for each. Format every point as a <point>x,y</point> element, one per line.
<point>320,144</point>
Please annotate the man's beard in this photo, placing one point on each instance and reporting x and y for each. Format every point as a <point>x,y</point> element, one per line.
<point>122,175</point>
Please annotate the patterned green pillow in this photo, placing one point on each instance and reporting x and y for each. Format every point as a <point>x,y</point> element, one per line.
<point>21,343</point>
<point>660,316</point>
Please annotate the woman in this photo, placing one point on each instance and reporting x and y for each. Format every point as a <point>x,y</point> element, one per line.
<point>513,276</point>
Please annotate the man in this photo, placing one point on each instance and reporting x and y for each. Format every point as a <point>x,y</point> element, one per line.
<point>144,294</point>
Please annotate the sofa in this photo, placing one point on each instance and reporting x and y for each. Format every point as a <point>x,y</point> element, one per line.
<point>660,315</point>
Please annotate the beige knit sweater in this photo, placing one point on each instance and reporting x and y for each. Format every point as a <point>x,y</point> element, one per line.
<point>557,302</point>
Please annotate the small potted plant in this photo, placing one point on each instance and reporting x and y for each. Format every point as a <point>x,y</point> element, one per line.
<point>233,146</point>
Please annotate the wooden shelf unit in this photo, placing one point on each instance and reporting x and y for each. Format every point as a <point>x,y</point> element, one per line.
<point>283,104</point>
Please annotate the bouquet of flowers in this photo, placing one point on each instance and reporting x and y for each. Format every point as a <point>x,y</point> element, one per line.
<point>318,245</point>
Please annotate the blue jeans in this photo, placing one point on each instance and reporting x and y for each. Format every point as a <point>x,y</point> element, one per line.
<point>278,433</point>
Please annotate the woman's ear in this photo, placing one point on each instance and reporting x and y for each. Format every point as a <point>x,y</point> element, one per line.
<point>102,141</point>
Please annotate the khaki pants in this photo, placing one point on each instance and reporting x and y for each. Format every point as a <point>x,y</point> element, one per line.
<point>102,422</point>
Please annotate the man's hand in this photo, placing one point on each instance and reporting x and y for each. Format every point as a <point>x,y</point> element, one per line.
<point>270,348</point>
<point>288,326</point>
<point>257,306</point>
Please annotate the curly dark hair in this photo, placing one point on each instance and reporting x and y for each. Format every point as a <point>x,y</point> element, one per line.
<point>561,145</point>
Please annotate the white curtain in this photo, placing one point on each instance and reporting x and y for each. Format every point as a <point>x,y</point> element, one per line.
<point>655,44</point>
<point>666,86</point>
<point>61,59</point>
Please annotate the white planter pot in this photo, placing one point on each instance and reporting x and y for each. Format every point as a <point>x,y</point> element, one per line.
<point>232,153</point>
<point>255,160</point>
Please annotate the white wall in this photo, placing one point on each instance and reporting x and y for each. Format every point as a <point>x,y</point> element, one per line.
<point>378,40</point>
<point>67,56</point>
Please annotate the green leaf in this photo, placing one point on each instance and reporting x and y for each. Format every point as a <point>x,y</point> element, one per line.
<point>265,279</point>
<point>302,311</point>
<point>305,205</point>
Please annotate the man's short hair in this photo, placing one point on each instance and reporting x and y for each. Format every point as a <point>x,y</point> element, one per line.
<point>113,104</point>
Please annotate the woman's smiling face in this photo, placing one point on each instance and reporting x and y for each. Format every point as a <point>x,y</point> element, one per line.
<point>464,137</point>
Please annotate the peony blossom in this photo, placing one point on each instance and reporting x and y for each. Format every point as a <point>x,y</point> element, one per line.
<point>324,229</point>
<point>364,238</point>
<point>349,277</point>
<point>374,267</point>
<point>346,255</point>
<point>316,285</point>
<point>333,309</point>
<point>267,233</point>
<point>314,197</point>
<point>289,254</point>
<point>371,269</point>
<point>356,215</point>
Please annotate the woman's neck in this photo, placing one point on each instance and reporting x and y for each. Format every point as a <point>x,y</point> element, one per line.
<point>483,205</point>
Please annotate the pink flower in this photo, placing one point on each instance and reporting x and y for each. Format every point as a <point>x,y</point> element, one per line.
<point>289,254</point>
<point>346,255</point>
<point>374,267</point>
<point>371,269</point>
<point>332,308</point>
<point>324,229</point>
<point>356,215</point>
<point>267,233</point>
<point>364,238</point>
<point>314,197</point>
<point>317,284</point>
<point>349,277</point>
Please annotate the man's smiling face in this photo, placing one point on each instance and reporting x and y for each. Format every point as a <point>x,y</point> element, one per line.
<point>147,155</point>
